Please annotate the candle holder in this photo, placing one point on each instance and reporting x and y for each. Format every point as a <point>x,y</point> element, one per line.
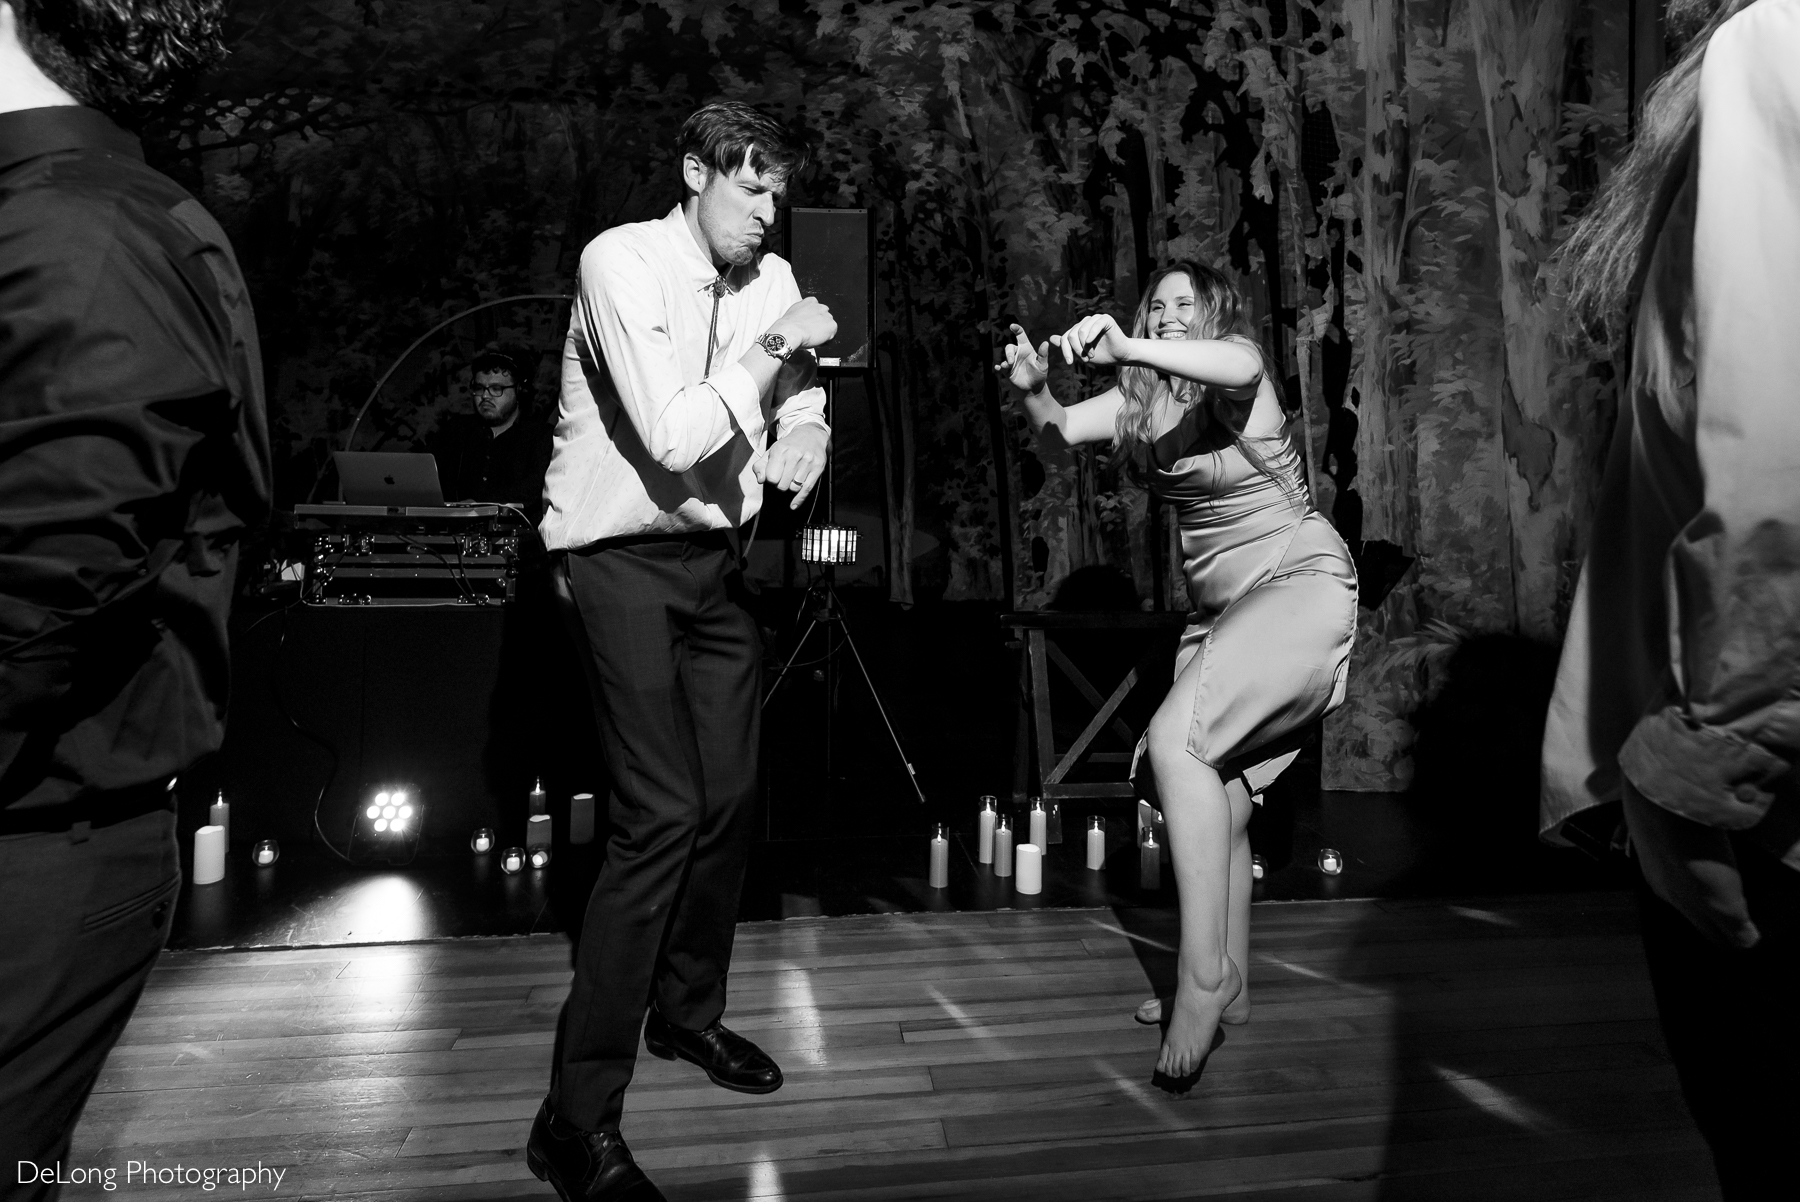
<point>1150,861</point>
<point>482,841</point>
<point>1331,861</point>
<point>265,853</point>
<point>512,860</point>
<point>581,818</point>
<point>538,857</point>
<point>1096,843</point>
<point>1258,868</point>
<point>985,819</point>
<point>1054,821</point>
<point>1029,877</point>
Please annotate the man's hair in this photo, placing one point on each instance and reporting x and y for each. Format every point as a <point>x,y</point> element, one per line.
<point>497,361</point>
<point>121,56</point>
<point>1606,256</point>
<point>727,133</point>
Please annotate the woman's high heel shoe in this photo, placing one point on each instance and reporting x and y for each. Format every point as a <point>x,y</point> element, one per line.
<point>1180,1085</point>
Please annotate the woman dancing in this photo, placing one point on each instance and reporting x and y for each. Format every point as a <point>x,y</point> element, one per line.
<point>1267,646</point>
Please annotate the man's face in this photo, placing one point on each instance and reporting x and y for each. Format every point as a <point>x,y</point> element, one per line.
<point>736,209</point>
<point>496,399</point>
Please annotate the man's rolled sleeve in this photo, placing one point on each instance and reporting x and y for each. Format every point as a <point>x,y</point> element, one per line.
<point>679,424</point>
<point>1722,754</point>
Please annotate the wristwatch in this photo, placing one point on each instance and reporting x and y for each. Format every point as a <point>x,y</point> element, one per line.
<point>776,346</point>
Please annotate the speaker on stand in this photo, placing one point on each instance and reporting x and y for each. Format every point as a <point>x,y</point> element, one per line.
<point>831,251</point>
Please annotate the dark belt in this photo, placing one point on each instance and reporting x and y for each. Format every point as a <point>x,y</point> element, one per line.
<point>721,539</point>
<point>97,810</point>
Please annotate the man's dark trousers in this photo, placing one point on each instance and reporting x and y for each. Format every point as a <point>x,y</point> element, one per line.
<point>675,667</point>
<point>84,911</point>
<point>1732,1020</point>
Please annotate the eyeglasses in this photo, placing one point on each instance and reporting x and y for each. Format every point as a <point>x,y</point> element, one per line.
<point>490,389</point>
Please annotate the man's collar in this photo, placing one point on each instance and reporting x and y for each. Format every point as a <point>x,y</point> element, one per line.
<point>696,264</point>
<point>29,133</point>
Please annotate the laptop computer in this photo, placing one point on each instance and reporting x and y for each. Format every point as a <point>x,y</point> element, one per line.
<point>393,478</point>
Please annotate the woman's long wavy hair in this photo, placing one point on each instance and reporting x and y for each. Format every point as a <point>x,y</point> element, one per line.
<point>1219,312</point>
<point>1605,258</point>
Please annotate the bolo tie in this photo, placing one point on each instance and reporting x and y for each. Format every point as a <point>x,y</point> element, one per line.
<point>718,288</point>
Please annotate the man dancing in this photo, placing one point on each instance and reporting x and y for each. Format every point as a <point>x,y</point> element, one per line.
<point>683,346</point>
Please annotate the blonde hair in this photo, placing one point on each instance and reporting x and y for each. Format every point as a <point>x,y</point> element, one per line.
<point>1219,313</point>
<point>1605,258</point>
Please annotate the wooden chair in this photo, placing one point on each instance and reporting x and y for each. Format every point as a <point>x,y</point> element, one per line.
<point>1034,633</point>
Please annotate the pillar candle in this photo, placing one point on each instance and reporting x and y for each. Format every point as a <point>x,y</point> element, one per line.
<point>581,818</point>
<point>539,803</point>
<point>1096,844</point>
<point>537,831</point>
<point>1040,825</point>
<point>1003,847</point>
<point>1149,861</point>
<point>209,855</point>
<point>984,830</point>
<point>220,816</point>
<point>1030,868</point>
<point>940,857</point>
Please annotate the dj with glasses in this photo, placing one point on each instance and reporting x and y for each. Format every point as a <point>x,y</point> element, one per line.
<point>499,448</point>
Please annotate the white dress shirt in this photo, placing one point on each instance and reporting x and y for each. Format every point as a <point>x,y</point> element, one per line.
<point>650,438</point>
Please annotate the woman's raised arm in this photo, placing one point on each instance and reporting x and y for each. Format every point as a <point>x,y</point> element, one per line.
<point>1056,425</point>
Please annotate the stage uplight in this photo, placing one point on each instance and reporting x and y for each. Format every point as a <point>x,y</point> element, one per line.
<point>388,826</point>
<point>828,544</point>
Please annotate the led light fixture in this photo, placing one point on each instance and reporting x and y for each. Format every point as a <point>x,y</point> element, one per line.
<point>828,544</point>
<point>388,826</point>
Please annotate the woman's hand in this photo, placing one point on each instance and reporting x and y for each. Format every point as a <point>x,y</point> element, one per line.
<point>1096,340</point>
<point>1026,369</point>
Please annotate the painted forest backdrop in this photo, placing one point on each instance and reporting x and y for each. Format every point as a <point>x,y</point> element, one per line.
<point>1389,180</point>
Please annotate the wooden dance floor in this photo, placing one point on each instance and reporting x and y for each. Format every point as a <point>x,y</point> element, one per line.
<point>1482,1050</point>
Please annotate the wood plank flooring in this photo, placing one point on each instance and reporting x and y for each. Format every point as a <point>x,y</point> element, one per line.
<point>1475,1050</point>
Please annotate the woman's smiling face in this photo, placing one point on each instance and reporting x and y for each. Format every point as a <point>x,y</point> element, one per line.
<point>1172,306</point>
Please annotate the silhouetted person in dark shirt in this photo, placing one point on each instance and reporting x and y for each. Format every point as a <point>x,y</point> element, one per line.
<point>133,455</point>
<point>497,452</point>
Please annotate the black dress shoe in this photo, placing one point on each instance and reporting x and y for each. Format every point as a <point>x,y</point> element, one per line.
<point>729,1059</point>
<point>585,1166</point>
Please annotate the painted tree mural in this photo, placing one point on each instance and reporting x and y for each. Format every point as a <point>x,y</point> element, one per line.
<point>1389,180</point>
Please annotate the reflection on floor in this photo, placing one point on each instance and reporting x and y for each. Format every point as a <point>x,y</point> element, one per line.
<point>1392,847</point>
<point>1488,1049</point>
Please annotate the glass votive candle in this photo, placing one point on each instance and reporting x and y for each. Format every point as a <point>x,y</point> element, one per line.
<point>538,857</point>
<point>265,853</point>
<point>1258,868</point>
<point>482,841</point>
<point>512,860</point>
<point>1331,861</point>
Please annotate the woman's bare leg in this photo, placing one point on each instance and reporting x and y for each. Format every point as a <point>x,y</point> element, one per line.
<point>1237,916</point>
<point>1237,911</point>
<point>1197,815</point>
